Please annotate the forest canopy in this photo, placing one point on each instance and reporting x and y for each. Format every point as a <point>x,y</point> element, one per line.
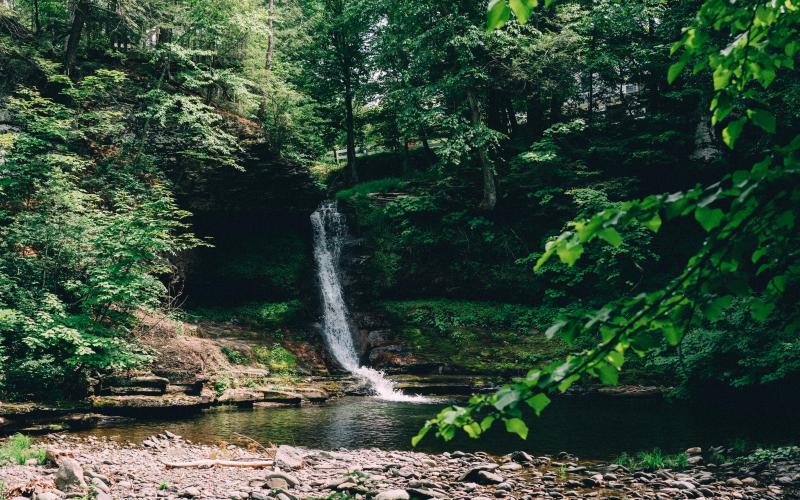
<point>618,174</point>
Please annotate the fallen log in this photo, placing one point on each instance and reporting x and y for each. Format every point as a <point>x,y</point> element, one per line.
<point>207,464</point>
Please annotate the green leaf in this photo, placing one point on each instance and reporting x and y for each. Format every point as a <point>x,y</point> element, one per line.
<point>506,397</point>
<point>763,119</point>
<point>538,402</point>
<point>616,358</point>
<point>569,253</point>
<point>522,9</point>
<point>609,375</point>
<point>518,427</point>
<point>472,429</point>
<point>676,68</point>
<point>653,224</point>
<point>550,332</point>
<point>672,334</point>
<point>713,310</point>
<point>709,218</point>
<point>421,434</point>
<point>761,310</point>
<point>487,422</point>
<point>497,14</point>
<point>611,236</point>
<point>732,132</point>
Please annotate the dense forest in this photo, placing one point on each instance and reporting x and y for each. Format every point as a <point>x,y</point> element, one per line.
<point>164,158</point>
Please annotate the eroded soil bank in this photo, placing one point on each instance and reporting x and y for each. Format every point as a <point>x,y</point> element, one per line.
<point>105,469</point>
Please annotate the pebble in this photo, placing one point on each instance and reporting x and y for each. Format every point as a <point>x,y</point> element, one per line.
<point>393,495</point>
<point>137,472</point>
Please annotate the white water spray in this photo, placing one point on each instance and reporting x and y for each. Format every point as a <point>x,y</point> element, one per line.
<point>329,233</point>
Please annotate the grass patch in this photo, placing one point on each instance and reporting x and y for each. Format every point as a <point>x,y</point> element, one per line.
<point>256,314</point>
<point>653,460</point>
<point>385,185</point>
<point>479,337</point>
<point>234,356</point>
<point>277,358</point>
<point>19,448</point>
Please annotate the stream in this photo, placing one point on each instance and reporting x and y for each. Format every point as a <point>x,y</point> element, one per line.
<point>590,427</point>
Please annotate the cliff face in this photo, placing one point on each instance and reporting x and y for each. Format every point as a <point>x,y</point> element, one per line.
<point>257,221</point>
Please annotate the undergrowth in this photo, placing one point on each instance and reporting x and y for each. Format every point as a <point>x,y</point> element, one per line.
<point>19,448</point>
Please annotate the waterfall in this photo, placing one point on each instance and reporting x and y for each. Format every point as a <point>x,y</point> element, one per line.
<point>329,233</point>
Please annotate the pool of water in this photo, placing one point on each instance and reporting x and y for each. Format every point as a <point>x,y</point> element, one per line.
<point>590,427</point>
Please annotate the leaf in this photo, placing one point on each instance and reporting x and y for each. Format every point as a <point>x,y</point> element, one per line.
<point>518,427</point>
<point>550,332</point>
<point>421,434</point>
<point>616,358</point>
<point>497,13</point>
<point>487,422</point>
<point>522,9</point>
<point>472,429</point>
<point>709,218</point>
<point>653,224</point>
<point>713,310</point>
<point>506,398</point>
<point>569,253</point>
<point>732,132</point>
<point>672,334</point>
<point>761,310</point>
<point>538,402</point>
<point>676,68</point>
<point>611,236</point>
<point>608,374</point>
<point>763,119</point>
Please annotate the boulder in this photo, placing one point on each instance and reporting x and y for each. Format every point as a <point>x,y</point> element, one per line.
<point>287,478</point>
<point>289,457</point>
<point>69,477</point>
<point>472,475</point>
<point>393,495</point>
<point>190,492</point>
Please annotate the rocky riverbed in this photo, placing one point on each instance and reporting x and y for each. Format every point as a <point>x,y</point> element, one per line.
<point>166,466</point>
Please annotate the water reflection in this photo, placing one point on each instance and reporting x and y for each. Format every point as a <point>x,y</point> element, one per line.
<point>592,428</point>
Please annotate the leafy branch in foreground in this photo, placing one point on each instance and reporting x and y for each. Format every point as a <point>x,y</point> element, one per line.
<point>750,220</point>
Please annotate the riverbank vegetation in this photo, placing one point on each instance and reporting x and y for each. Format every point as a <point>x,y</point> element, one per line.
<point>615,180</point>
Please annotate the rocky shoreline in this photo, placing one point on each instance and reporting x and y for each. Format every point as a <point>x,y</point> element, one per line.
<point>169,467</point>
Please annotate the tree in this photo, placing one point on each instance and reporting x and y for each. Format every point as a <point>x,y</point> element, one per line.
<point>749,216</point>
<point>337,63</point>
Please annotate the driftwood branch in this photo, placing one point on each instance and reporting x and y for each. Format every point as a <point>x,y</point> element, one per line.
<point>207,464</point>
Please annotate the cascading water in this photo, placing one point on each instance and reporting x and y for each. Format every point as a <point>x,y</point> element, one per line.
<point>329,233</point>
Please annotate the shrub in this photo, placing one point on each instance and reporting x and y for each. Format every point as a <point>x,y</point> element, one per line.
<point>652,460</point>
<point>277,358</point>
<point>234,356</point>
<point>19,448</point>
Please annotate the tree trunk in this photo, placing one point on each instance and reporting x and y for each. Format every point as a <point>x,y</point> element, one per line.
<point>489,189</point>
<point>262,108</point>
<point>37,23</point>
<point>534,113</point>
<point>495,113</point>
<point>425,144</point>
<point>350,128</point>
<point>556,102</point>
<point>512,115</point>
<point>79,15</point>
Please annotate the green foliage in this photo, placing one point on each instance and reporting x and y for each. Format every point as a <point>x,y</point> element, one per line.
<point>387,185</point>
<point>79,256</point>
<point>275,357</point>
<point>19,448</point>
<point>264,315</point>
<point>653,460</point>
<point>739,215</point>
<point>234,356</point>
